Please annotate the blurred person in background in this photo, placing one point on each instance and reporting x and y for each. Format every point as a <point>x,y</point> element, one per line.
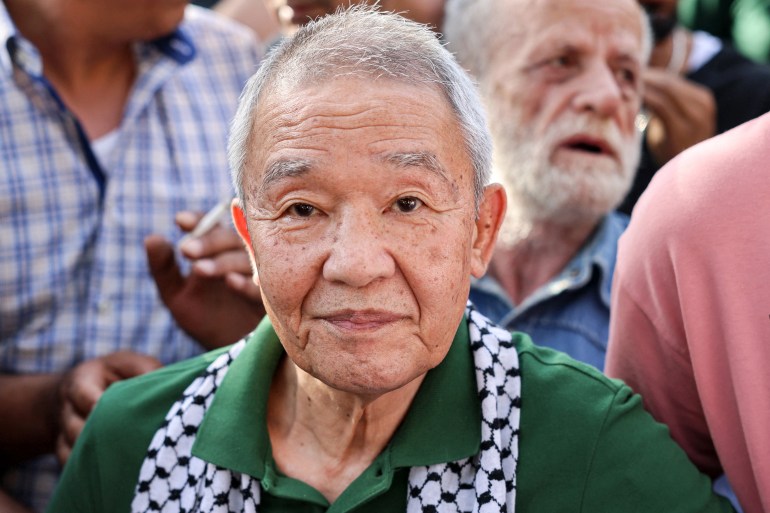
<point>690,320</point>
<point>562,91</point>
<point>113,121</point>
<point>696,87</point>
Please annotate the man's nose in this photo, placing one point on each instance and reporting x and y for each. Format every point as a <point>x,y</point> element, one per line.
<point>359,254</point>
<point>599,91</point>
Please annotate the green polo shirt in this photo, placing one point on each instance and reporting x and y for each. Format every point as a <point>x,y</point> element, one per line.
<point>585,442</point>
<point>443,424</point>
<point>422,438</point>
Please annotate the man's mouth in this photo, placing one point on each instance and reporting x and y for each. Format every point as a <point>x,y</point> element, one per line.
<point>588,144</point>
<point>362,319</point>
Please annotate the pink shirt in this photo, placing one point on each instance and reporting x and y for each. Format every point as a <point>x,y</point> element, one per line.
<point>690,314</point>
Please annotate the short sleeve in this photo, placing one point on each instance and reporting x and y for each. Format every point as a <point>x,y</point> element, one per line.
<point>637,467</point>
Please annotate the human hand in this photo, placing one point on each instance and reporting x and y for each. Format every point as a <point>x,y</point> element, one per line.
<point>218,302</point>
<point>81,387</point>
<point>683,113</point>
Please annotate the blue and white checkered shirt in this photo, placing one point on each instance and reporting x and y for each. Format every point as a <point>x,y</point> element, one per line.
<point>74,282</point>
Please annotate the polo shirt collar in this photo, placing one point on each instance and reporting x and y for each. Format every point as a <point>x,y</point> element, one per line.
<point>443,423</point>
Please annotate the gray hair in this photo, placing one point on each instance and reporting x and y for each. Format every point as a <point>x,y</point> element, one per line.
<point>362,41</point>
<point>469,26</point>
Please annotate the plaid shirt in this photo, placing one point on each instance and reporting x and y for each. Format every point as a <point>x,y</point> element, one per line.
<point>74,282</point>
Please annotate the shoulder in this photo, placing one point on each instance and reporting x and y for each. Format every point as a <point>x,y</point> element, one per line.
<point>710,185</point>
<point>560,377</point>
<point>589,437</point>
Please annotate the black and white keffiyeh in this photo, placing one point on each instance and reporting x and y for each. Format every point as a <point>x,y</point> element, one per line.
<point>171,479</point>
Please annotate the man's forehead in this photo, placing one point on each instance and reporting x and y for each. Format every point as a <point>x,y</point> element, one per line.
<point>380,110</point>
<point>536,16</point>
<point>304,129</point>
<point>575,25</point>
<point>347,100</point>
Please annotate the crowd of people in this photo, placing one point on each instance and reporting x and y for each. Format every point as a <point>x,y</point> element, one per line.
<point>381,326</point>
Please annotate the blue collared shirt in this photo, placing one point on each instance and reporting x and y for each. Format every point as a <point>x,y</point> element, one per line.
<point>74,281</point>
<point>571,312</point>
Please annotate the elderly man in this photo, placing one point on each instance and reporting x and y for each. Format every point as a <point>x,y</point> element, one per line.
<point>371,386</point>
<point>562,91</point>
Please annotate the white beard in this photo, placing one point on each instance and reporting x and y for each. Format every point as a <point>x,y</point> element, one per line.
<point>539,191</point>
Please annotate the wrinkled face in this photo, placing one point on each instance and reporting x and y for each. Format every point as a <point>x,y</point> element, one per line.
<point>422,11</point>
<point>562,100</point>
<point>361,219</point>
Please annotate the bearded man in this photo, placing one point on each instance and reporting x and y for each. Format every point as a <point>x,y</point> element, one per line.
<point>562,91</point>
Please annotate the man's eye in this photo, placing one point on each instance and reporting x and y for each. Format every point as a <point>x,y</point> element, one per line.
<point>627,75</point>
<point>561,61</point>
<point>408,204</point>
<point>302,209</point>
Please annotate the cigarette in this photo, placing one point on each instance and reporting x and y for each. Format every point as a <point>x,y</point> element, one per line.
<point>209,220</point>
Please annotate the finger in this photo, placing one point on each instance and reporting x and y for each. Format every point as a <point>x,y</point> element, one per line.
<point>127,364</point>
<point>662,102</point>
<point>244,286</point>
<point>163,267</point>
<point>670,113</point>
<point>689,119</point>
<point>70,425</point>
<point>187,220</point>
<point>675,95</point>
<point>83,386</point>
<point>228,262</point>
<point>219,239</point>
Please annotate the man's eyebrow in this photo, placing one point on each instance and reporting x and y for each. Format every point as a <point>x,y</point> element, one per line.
<point>289,168</point>
<point>423,159</point>
<point>284,168</point>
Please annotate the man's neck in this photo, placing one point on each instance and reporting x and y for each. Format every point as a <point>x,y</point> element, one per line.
<point>93,77</point>
<point>525,264</point>
<point>326,437</point>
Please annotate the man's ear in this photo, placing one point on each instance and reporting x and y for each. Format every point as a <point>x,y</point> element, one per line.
<point>488,223</point>
<point>239,219</point>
